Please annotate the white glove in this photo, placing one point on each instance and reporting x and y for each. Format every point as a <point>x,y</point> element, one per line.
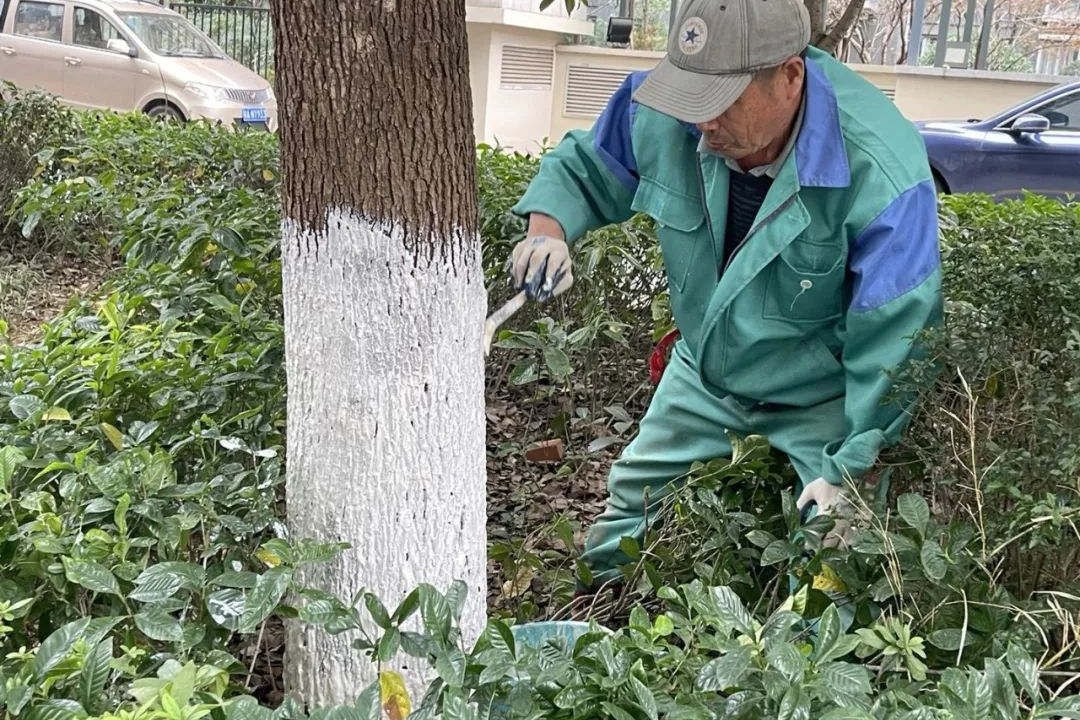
<point>831,500</point>
<point>541,264</point>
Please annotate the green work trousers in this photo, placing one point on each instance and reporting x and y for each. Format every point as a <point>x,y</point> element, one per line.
<point>685,423</point>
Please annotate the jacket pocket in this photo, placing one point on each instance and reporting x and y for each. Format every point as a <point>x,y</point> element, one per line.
<point>679,220</point>
<point>805,294</point>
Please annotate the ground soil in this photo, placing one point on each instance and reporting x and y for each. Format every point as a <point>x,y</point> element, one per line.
<point>34,288</point>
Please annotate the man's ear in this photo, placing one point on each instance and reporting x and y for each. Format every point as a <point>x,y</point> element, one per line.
<point>793,71</point>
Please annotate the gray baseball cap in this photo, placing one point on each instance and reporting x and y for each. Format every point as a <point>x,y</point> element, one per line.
<point>714,50</point>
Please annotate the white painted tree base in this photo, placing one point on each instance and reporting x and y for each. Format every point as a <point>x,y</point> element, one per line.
<point>386,432</point>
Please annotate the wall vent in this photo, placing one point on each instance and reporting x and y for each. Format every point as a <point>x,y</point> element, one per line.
<point>589,88</point>
<point>526,68</point>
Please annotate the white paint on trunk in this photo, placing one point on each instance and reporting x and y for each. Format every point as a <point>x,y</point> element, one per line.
<point>385,430</point>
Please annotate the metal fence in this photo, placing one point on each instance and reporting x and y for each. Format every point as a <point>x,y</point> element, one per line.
<point>243,31</point>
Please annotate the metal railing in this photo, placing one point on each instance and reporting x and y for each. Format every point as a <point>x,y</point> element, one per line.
<point>243,31</point>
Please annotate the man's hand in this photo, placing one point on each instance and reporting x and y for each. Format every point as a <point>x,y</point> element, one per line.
<point>831,500</point>
<point>541,265</point>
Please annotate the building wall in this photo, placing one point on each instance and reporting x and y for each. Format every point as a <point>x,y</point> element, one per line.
<point>479,74</point>
<point>920,93</point>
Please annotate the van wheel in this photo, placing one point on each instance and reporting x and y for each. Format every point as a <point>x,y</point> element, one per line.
<point>165,113</point>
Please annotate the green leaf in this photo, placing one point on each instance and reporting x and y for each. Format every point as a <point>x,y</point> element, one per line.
<point>845,678</point>
<point>828,632</point>
<point>933,560</point>
<point>10,459</point>
<point>24,406</point>
<point>725,671</point>
<point>558,363</point>
<point>57,646</point>
<point>524,373</point>
<point>155,589</point>
<point>91,576</point>
<point>730,609</point>
<point>368,705</point>
<point>236,579</point>
<point>1024,669</point>
<point>264,597</point>
<point>947,639</point>
<point>786,659</point>
<point>1067,707</point>
<point>795,705</point>
<point>17,697</point>
<point>501,638</point>
<point>408,606</point>
<point>760,538</point>
<point>644,697</point>
<point>434,611</point>
<point>630,547</point>
<point>226,607</point>
<point>56,709</point>
<point>847,713</point>
<point>95,673</point>
<point>456,595</point>
<point>777,552</point>
<point>915,512</point>
<point>663,626</point>
<point>616,712</point>
<point>377,611</point>
<point>157,624</point>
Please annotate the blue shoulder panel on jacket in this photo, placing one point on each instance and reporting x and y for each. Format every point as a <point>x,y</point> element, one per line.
<point>611,134</point>
<point>897,251</point>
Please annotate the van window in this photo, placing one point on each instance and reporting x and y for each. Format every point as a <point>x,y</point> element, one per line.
<point>39,20</point>
<point>92,30</point>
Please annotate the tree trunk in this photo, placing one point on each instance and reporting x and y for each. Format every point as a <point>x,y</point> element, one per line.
<point>384,305</point>
<point>842,27</point>
<point>816,10</point>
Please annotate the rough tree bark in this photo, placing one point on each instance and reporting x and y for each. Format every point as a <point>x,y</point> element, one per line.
<point>384,307</point>
<point>829,40</point>
<point>824,37</point>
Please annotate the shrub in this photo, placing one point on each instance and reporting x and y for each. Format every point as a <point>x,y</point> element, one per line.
<point>997,437</point>
<point>141,457</point>
<point>30,122</point>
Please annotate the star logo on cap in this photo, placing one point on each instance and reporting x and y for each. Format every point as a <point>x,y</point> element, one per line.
<point>692,36</point>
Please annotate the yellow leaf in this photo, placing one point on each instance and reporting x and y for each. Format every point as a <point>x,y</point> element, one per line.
<point>519,584</point>
<point>115,436</point>
<point>271,558</point>
<point>268,175</point>
<point>395,698</point>
<point>56,413</point>
<point>828,580</point>
<point>243,288</point>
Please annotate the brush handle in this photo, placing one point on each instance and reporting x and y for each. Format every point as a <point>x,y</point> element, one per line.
<point>500,316</point>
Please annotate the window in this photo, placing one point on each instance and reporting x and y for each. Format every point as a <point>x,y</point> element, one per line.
<point>170,36</point>
<point>39,20</point>
<point>1063,113</point>
<point>92,30</point>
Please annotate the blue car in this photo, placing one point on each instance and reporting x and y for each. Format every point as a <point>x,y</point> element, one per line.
<point>1033,146</point>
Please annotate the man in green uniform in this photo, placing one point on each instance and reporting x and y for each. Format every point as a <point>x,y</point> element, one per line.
<point>797,217</point>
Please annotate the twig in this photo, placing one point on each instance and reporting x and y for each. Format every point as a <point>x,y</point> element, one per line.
<point>255,657</point>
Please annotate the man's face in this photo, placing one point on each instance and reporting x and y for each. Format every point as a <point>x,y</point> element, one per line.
<point>760,115</point>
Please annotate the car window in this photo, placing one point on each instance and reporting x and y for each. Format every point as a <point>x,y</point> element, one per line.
<point>39,20</point>
<point>92,30</point>
<point>1063,113</point>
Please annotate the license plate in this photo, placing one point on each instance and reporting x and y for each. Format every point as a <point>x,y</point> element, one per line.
<point>255,115</point>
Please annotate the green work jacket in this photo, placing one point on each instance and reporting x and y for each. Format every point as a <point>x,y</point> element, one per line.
<point>837,274</point>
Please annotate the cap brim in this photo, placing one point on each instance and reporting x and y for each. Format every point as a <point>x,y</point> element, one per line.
<point>690,96</point>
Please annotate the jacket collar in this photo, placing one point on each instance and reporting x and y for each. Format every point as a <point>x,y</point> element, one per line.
<point>820,155</point>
